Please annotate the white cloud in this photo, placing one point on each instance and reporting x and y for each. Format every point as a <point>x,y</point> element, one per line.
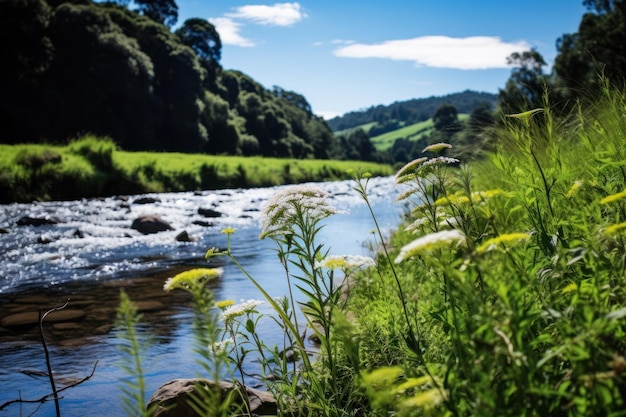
<point>471,53</point>
<point>279,14</point>
<point>228,30</point>
<point>341,42</point>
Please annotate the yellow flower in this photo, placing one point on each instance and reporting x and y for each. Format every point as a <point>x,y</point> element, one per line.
<point>455,199</point>
<point>493,243</point>
<point>484,195</point>
<point>574,188</point>
<point>613,197</point>
<point>222,305</point>
<point>345,262</point>
<point>188,279</point>
<point>228,231</point>
<point>616,228</point>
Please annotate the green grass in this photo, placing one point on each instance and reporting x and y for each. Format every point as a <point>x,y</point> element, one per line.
<point>92,167</point>
<point>412,132</point>
<point>509,298</point>
<point>365,127</point>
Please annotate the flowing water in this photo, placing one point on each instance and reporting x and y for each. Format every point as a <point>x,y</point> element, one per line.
<point>91,252</point>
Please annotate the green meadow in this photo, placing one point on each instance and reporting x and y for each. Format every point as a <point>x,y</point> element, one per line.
<point>412,132</point>
<point>94,167</point>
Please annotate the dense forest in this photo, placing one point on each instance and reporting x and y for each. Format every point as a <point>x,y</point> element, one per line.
<point>119,69</point>
<point>77,67</point>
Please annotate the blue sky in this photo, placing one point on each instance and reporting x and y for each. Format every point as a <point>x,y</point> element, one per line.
<point>346,55</point>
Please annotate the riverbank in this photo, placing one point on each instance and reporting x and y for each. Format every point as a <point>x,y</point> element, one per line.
<point>92,167</point>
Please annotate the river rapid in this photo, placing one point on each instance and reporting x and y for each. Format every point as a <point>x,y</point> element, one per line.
<point>89,252</point>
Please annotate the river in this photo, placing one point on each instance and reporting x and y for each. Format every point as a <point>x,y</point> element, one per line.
<point>89,252</point>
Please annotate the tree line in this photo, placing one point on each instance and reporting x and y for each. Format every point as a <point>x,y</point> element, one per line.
<point>119,69</point>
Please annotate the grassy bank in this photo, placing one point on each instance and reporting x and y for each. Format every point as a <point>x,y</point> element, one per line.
<point>93,167</point>
<point>504,295</point>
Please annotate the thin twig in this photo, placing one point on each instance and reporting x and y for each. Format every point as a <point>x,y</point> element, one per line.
<point>45,348</point>
<point>47,396</point>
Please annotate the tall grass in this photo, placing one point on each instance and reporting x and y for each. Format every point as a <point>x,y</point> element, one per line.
<point>514,269</point>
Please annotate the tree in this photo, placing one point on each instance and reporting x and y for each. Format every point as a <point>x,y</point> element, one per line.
<point>27,54</point>
<point>481,117</point>
<point>445,118</point>
<point>527,84</point>
<point>201,36</point>
<point>103,78</point>
<point>599,46</point>
<point>161,11</point>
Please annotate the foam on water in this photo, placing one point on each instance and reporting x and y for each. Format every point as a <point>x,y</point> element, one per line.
<point>94,240</point>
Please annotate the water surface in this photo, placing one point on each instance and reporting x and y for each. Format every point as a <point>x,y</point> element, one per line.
<point>92,253</point>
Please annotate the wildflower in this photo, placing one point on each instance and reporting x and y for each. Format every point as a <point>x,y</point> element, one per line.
<point>189,279</point>
<point>417,224</point>
<point>616,228</point>
<point>212,252</point>
<point>455,199</point>
<point>437,147</point>
<point>485,195</point>
<point>411,166</point>
<point>228,231</point>
<point>448,222</point>
<point>345,262</point>
<point>285,207</point>
<point>406,194</point>
<point>240,309</point>
<point>613,197</point>
<point>493,243</point>
<point>574,188</point>
<point>440,160</point>
<point>430,242</point>
<point>422,399</point>
<point>222,305</point>
<point>220,347</point>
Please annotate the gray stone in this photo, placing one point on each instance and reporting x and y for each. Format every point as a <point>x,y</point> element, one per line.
<point>149,224</point>
<point>209,212</point>
<point>38,221</point>
<point>172,398</point>
<point>184,237</point>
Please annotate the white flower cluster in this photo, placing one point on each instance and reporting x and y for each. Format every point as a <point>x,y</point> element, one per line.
<point>429,242</point>
<point>440,160</point>
<point>223,346</point>
<point>240,309</point>
<point>282,210</point>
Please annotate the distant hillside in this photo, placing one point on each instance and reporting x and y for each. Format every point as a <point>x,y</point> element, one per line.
<point>384,119</point>
<point>412,132</point>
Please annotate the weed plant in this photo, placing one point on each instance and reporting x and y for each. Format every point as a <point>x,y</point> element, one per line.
<point>502,294</point>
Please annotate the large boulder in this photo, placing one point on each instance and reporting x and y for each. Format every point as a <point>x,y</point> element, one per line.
<point>172,398</point>
<point>149,224</point>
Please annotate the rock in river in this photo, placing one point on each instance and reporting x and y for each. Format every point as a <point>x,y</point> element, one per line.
<point>149,224</point>
<point>37,221</point>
